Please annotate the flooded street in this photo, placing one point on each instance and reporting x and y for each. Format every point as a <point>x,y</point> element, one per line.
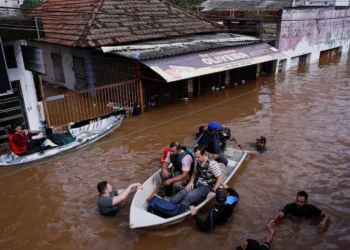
<point>305,117</point>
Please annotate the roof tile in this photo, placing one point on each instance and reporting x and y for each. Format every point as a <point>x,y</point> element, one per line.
<point>92,23</point>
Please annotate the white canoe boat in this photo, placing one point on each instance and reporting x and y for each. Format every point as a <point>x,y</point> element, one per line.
<point>139,217</point>
<point>83,135</point>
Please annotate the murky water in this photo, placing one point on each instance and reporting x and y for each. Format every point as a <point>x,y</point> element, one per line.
<point>305,117</point>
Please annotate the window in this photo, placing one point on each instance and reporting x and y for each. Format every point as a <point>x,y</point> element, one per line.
<point>303,59</point>
<point>281,65</point>
<point>57,67</point>
<point>10,57</point>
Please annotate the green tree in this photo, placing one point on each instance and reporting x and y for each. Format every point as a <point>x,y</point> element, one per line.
<point>187,4</point>
<point>30,4</point>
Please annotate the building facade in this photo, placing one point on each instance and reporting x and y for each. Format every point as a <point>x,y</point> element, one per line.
<point>308,33</point>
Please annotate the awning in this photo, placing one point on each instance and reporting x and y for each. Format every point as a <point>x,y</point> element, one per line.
<point>192,65</point>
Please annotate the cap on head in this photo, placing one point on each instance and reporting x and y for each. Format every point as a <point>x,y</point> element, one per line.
<point>101,186</point>
<point>262,139</point>
<point>220,195</point>
<point>213,125</point>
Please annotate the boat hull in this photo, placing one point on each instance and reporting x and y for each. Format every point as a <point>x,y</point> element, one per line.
<point>140,218</point>
<point>83,135</point>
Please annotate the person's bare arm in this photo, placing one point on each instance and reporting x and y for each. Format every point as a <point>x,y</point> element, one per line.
<point>323,223</point>
<point>252,152</point>
<point>180,177</point>
<point>120,197</point>
<point>165,172</point>
<point>218,182</point>
<point>190,185</point>
<point>273,232</point>
<point>278,216</point>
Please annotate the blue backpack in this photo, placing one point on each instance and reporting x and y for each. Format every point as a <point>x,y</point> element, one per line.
<point>164,208</point>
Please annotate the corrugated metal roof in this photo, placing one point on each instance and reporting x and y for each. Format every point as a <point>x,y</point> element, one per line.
<point>94,23</point>
<point>179,46</point>
<point>245,4</point>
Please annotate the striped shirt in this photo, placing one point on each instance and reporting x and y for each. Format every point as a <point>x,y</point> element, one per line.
<point>213,168</point>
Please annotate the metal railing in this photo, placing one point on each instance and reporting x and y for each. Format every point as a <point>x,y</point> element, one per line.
<point>77,106</point>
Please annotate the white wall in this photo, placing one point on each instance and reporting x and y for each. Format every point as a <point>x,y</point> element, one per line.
<point>9,3</point>
<point>342,2</point>
<point>27,86</point>
<point>313,30</point>
<point>12,4</point>
<point>67,63</point>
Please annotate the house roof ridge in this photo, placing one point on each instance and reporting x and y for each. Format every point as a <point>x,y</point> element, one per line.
<point>85,31</point>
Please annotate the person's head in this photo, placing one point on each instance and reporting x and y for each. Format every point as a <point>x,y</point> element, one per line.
<point>214,127</point>
<point>201,129</point>
<point>261,142</point>
<point>199,154</point>
<point>16,126</point>
<point>104,188</point>
<point>175,148</point>
<point>249,244</point>
<point>301,199</point>
<point>220,196</point>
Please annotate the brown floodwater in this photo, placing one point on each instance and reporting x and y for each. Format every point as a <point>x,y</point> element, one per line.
<point>305,116</point>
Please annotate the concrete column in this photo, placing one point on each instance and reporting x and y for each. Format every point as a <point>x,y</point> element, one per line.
<point>190,88</point>
<point>227,77</point>
<point>258,68</point>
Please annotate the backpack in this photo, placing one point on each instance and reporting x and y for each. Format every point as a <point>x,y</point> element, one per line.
<point>164,208</point>
<point>62,138</point>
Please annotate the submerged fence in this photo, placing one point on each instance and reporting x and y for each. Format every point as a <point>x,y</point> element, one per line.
<point>77,106</point>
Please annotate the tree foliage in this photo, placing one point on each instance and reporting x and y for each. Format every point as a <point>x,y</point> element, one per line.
<point>30,4</point>
<point>187,4</point>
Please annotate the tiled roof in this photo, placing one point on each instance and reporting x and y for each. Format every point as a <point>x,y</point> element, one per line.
<point>210,5</point>
<point>94,23</point>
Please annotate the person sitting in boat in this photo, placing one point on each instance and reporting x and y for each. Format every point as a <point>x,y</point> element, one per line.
<point>165,154</point>
<point>205,179</point>
<point>20,143</point>
<point>176,179</point>
<point>301,208</point>
<point>250,244</point>
<point>211,141</point>
<point>260,146</point>
<point>200,132</point>
<point>221,212</point>
<point>109,198</point>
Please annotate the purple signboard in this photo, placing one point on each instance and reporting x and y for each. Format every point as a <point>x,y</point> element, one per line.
<point>192,65</point>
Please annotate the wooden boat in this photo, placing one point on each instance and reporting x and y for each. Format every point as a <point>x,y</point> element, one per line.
<point>139,217</point>
<point>84,133</point>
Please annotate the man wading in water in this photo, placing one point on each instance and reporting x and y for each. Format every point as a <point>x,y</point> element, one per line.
<point>260,146</point>
<point>109,198</point>
<point>302,209</point>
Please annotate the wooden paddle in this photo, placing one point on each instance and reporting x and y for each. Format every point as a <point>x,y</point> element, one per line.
<point>154,191</point>
<point>239,145</point>
<point>158,187</point>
